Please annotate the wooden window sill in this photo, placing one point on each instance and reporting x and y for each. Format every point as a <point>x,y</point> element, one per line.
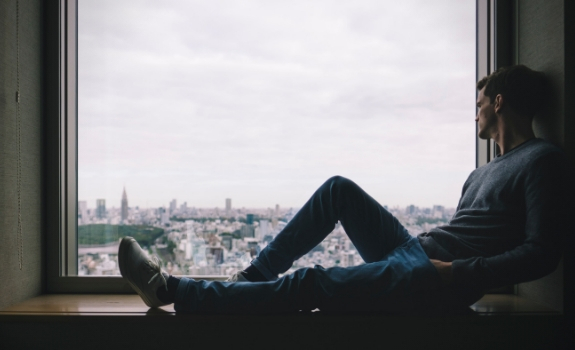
<point>131,304</point>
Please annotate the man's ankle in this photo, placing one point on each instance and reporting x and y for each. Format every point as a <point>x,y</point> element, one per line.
<point>168,296</point>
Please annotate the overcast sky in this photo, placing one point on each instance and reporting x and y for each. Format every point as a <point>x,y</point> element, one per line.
<point>262,101</point>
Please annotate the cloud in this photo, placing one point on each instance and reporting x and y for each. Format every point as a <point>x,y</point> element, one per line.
<point>203,101</point>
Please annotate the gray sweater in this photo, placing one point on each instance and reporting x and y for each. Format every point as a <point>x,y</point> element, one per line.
<point>510,221</point>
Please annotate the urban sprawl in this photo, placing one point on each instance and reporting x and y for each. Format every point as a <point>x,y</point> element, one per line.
<point>213,241</point>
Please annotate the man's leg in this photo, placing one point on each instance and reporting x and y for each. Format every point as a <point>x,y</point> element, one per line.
<point>402,281</point>
<point>371,228</point>
<point>398,283</point>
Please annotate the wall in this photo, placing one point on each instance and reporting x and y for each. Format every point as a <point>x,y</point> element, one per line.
<point>20,284</point>
<point>542,35</point>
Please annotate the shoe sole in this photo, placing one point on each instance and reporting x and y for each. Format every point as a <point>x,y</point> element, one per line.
<point>123,250</point>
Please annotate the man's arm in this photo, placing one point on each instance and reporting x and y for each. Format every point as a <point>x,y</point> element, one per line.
<point>444,270</point>
<point>523,264</point>
<point>547,197</point>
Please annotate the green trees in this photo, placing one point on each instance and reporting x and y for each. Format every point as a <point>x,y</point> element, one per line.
<point>98,234</point>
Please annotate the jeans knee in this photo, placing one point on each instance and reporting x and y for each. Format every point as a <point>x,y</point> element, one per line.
<point>336,178</point>
<point>340,184</point>
<point>310,278</point>
<point>338,181</point>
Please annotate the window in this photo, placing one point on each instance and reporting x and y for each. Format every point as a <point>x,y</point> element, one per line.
<point>332,62</point>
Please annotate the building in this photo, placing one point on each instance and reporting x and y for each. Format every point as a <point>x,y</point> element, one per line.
<point>164,216</point>
<point>438,211</point>
<point>124,209</point>
<point>173,206</point>
<point>100,208</point>
<point>264,229</point>
<point>227,241</point>
<point>82,212</point>
<point>250,219</point>
<point>411,209</point>
<point>217,253</point>
<point>247,231</point>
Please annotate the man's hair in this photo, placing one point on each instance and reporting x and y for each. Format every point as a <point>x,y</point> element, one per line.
<point>524,90</point>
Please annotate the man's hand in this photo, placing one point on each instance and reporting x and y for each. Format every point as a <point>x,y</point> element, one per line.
<point>444,270</point>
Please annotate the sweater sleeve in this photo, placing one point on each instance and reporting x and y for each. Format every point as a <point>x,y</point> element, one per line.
<point>548,195</point>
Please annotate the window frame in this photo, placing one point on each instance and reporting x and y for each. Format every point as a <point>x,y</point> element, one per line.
<point>62,157</point>
<point>496,46</point>
<point>493,49</point>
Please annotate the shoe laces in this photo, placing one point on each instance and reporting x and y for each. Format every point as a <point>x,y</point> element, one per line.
<point>154,263</point>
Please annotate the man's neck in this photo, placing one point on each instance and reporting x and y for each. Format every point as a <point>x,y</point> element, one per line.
<point>511,134</point>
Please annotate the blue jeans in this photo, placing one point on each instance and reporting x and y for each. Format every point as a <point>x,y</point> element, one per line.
<point>397,277</point>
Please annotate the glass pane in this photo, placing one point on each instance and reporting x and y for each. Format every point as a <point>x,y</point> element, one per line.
<point>204,125</point>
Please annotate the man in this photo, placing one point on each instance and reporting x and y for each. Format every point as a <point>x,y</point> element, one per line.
<point>508,228</point>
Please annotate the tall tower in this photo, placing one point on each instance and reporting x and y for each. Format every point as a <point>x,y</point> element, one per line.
<point>124,206</point>
<point>228,207</point>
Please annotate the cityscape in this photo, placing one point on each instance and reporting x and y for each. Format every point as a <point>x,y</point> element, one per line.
<point>214,242</point>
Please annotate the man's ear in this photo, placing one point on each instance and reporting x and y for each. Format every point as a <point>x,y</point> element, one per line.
<point>499,102</point>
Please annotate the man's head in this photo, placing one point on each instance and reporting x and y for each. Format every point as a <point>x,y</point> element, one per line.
<point>515,90</point>
<point>524,90</point>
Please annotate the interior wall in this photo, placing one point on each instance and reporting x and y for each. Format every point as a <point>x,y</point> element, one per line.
<point>541,46</point>
<point>20,284</point>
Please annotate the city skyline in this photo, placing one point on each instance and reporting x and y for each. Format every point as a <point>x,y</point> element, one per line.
<point>200,242</point>
<point>227,206</point>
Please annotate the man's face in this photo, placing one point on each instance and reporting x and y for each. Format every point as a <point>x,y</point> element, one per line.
<point>486,118</point>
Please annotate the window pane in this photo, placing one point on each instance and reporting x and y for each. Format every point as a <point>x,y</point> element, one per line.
<point>186,104</point>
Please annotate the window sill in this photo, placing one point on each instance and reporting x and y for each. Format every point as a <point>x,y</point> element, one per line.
<point>131,304</point>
